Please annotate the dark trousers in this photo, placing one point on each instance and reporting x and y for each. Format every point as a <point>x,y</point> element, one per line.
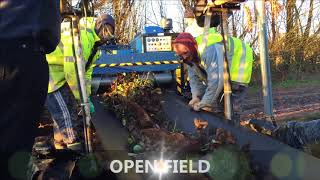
<point>62,106</point>
<point>23,89</point>
<point>299,134</point>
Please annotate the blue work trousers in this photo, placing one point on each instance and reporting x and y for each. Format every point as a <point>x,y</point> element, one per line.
<point>62,106</point>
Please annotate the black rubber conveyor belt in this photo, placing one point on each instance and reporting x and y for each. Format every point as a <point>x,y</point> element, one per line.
<point>113,136</point>
<point>269,154</point>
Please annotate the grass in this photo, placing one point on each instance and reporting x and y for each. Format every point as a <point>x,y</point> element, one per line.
<point>306,117</point>
<point>294,83</point>
<point>291,82</point>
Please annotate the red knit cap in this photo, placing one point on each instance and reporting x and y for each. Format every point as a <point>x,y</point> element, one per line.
<point>188,40</point>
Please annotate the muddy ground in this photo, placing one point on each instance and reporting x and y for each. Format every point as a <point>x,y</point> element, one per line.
<point>288,104</point>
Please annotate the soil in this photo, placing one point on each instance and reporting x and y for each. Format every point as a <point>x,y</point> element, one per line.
<point>288,104</point>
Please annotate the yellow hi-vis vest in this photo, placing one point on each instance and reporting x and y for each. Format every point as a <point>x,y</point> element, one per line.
<point>62,63</point>
<point>240,54</point>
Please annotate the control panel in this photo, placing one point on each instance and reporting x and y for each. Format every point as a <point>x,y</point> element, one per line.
<point>158,43</point>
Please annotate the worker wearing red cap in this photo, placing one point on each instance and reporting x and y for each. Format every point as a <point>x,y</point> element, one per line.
<point>205,72</point>
<point>63,92</point>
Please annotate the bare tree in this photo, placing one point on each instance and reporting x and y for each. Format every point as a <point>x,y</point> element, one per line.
<point>293,28</point>
<point>188,4</point>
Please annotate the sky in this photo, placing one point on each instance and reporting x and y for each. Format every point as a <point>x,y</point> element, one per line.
<point>172,9</point>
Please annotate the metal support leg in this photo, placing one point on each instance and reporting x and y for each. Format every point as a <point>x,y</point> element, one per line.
<point>264,61</point>
<point>228,112</point>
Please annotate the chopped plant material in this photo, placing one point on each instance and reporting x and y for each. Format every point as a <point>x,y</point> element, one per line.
<point>137,104</point>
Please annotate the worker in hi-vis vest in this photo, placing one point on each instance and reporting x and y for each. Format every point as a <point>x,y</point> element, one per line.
<point>205,68</point>
<point>63,92</point>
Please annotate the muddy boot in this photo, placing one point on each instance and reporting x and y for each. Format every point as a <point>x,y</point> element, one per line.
<point>42,155</point>
<point>78,147</point>
<point>43,146</point>
<point>58,139</point>
<point>49,162</point>
<point>60,144</point>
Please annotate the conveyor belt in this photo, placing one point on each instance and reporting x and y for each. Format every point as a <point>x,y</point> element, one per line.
<point>269,154</point>
<point>113,136</point>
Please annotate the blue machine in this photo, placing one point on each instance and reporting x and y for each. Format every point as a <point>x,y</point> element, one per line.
<point>148,52</point>
<point>136,62</point>
<point>153,30</point>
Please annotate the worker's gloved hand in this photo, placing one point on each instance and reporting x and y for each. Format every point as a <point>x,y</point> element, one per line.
<point>91,106</point>
<point>196,106</point>
<point>208,108</point>
<point>194,100</point>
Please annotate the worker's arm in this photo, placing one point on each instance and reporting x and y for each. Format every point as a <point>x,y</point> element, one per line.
<point>212,58</point>
<point>56,58</point>
<point>197,87</point>
<point>88,40</point>
<point>90,71</point>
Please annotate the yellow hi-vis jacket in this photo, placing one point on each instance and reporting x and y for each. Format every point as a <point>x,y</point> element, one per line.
<point>240,56</point>
<point>62,63</point>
